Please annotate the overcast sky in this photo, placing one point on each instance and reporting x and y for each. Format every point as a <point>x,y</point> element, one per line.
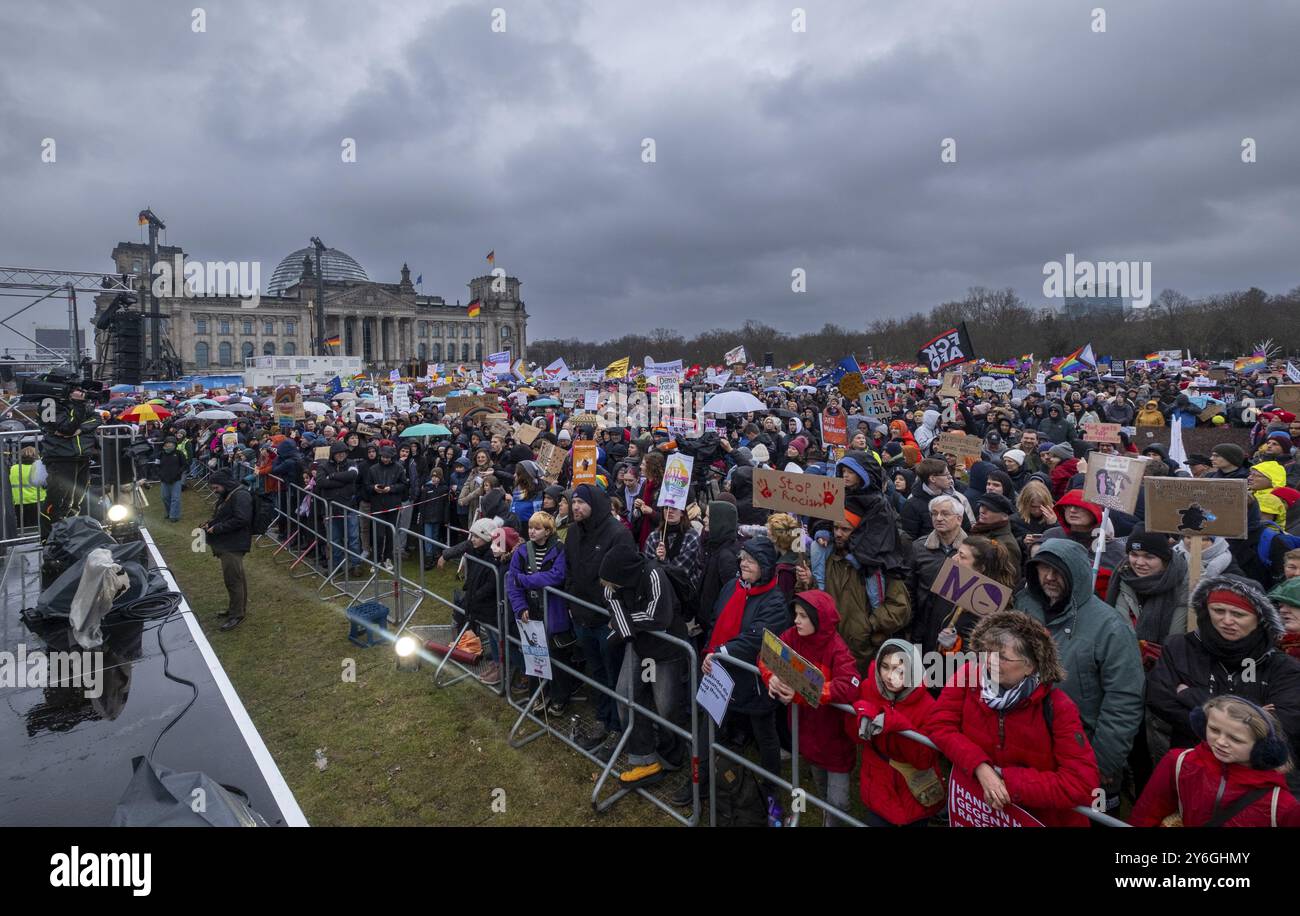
<point>774,149</point>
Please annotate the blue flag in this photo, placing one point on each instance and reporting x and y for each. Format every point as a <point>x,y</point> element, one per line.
<point>336,385</point>
<point>842,368</point>
<point>419,279</point>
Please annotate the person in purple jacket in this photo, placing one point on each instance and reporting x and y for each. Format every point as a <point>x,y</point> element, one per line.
<point>535,564</point>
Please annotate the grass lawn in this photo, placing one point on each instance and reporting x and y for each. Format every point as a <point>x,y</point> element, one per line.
<point>398,750</point>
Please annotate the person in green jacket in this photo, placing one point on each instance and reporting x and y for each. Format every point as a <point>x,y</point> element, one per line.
<point>1103,667</point>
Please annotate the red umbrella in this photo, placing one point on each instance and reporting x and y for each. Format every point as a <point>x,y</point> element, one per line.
<point>145,413</point>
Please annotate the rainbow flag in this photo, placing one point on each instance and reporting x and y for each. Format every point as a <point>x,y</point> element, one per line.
<point>1077,361</point>
<point>798,367</point>
<point>1250,363</point>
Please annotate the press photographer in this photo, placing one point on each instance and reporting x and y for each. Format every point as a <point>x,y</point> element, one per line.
<point>68,420</point>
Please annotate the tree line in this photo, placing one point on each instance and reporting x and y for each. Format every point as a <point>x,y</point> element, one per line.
<point>1001,325</point>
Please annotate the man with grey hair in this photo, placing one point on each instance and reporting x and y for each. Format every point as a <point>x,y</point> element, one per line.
<point>928,556</point>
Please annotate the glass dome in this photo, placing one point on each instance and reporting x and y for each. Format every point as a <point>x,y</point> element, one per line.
<point>335,264</point>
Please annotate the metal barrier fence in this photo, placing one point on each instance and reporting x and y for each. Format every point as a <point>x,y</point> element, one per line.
<point>316,527</point>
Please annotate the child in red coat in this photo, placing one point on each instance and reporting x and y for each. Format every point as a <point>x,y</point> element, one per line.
<point>1233,778</point>
<point>895,770</point>
<point>822,738</point>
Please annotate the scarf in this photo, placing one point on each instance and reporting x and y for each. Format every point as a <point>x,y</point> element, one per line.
<point>1230,653</point>
<point>1006,699</point>
<point>727,626</point>
<point>1160,594</point>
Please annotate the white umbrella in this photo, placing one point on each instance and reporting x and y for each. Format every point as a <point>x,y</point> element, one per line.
<point>315,407</point>
<point>733,402</point>
<point>345,395</point>
<point>215,415</point>
<point>806,388</point>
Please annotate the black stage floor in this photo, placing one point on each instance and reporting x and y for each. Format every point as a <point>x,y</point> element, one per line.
<point>66,759</point>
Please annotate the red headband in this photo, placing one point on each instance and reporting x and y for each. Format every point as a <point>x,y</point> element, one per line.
<point>1224,596</point>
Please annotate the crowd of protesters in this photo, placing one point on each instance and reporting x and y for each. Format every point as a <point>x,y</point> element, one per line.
<point>1108,676</point>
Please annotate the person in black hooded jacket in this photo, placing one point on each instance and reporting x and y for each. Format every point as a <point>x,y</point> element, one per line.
<point>742,488</point>
<point>386,486</point>
<point>230,535</point>
<point>721,558</point>
<point>594,532</point>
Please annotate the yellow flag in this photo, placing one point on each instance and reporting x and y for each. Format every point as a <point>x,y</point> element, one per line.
<point>618,368</point>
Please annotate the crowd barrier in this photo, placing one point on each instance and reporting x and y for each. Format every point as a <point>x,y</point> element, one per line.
<point>316,529</point>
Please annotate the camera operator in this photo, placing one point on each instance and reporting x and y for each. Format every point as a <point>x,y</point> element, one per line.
<point>69,427</point>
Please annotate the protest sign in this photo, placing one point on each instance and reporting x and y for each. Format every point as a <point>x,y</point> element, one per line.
<point>875,404</point>
<point>714,692</point>
<point>497,425</point>
<point>951,387</point>
<point>1113,481</point>
<point>1218,375</point>
<point>525,433</point>
<point>1003,385</point>
<point>1211,409</point>
<point>532,642</point>
<point>799,494</point>
<point>590,400</point>
<point>834,428</point>
<point>440,391</point>
<point>1186,506</point>
<point>960,445</point>
<point>584,462</point>
<point>229,441</point>
<point>322,453</point>
<point>967,807</point>
<point>1292,372</point>
<point>677,481</point>
<point>1101,432</point>
<point>364,429</point>
<point>795,671</point>
<point>969,590</point>
<point>550,458</point>
<point>682,427</point>
<point>1287,397</point>
<point>288,403</point>
<point>464,403</point>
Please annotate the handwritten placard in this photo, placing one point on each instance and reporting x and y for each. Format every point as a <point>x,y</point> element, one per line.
<point>970,590</point>
<point>1101,432</point>
<point>795,671</point>
<point>799,494</point>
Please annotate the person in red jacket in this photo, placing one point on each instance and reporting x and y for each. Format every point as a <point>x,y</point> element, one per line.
<point>1002,721</point>
<point>895,770</point>
<point>1233,778</point>
<point>822,738</point>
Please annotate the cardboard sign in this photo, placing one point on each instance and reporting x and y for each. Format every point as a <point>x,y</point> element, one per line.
<point>364,429</point>
<point>969,590</point>
<point>1113,481</point>
<point>288,403</point>
<point>1209,411</point>
<point>526,433</point>
<point>464,403</point>
<point>496,424</point>
<point>677,481</point>
<point>1218,375</point>
<point>795,671</point>
<point>584,462</point>
<point>875,404</point>
<point>959,444</point>
<point>951,387</point>
<point>1287,397</point>
<point>799,494</point>
<point>440,391</point>
<point>550,458</point>
<point>322,453</point>
<point>1187,505</point>
<point>1101,432</point>
<point>967,808</point>
<point>835,429</point>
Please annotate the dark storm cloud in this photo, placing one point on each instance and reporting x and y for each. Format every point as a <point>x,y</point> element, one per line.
<point>775,150</point>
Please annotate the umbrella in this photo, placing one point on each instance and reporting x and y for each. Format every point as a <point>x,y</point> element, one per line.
<point>734,402</point>
<point>315,407</point>
<point>240,407</point>
<point>119,403</point>
<point>205,401</point>
<point>425,429</point>
<point>782,413</point>
<point>145,413</point>
<point>121,388</point>
<point>215,415</point>
<point>771,388</point>
<point>157,401</point>
<point>544,402</point>
<point>807,389</point>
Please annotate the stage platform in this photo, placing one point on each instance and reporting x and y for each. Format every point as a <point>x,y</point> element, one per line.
<point>66,759</point>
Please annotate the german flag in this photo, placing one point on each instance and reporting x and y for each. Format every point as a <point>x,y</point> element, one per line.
<point>492,256</point>
<point>333,341</point>
<point>473,309</point>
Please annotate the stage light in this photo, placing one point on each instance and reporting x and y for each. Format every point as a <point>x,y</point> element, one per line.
<point>118,513</point>
<point>407,657</point>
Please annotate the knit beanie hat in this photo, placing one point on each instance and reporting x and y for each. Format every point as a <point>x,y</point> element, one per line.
<point>1016,455</point>
<point>1288,592</point>
<point>1230,452</point>
<point>622,565</point>
<point>1063,451</point>
<point>485,527</point>
<point>1152,542</point>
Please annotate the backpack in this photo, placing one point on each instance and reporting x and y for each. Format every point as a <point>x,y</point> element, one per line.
<point>683,590</point>
<point>740,801</point>
<point>263,514</point>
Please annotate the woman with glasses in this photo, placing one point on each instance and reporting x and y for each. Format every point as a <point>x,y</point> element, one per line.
<point>1005,726</point>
